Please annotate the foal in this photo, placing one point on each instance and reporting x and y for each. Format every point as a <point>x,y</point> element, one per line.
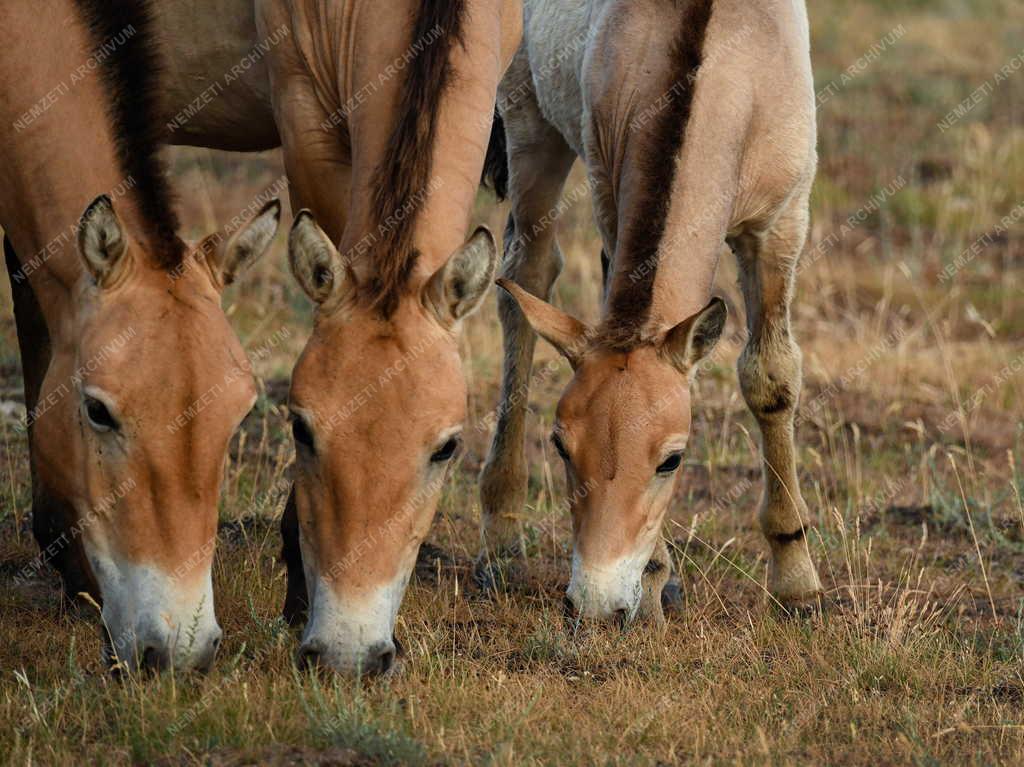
<point>134,380</point>
<point>695,119</point>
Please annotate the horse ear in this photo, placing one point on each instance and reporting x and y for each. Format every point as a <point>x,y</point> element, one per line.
<point>102,243</point>
<point>693,339</point>
<point>456,289</point>
<point>245,246</point>
<point>317,265</point>
<point>566,333</point>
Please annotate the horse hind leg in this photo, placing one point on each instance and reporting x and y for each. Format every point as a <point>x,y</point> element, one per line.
<point>770,378</point>
<point>539,162</point>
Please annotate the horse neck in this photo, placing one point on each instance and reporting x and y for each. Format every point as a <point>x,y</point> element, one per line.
<point>57,146</point>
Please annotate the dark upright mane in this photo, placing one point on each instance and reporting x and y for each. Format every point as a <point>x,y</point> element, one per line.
<point>632,287</point>
<point>123,31</point>
<point>404,171</point>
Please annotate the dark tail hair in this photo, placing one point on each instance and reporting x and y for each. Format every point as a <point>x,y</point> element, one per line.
<point>495,173</point>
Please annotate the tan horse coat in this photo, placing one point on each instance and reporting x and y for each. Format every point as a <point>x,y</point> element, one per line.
<point>696,123</point>
<point>114,348</point>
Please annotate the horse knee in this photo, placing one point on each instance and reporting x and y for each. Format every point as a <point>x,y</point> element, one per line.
<point>769,375</point>
<point>533,264</point>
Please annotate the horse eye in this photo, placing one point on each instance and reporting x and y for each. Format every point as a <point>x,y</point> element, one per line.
<point>446,451</point>
<point>301,433</point>
<point>559,447</point>
<point>670,464</point>
<point>98,414</point>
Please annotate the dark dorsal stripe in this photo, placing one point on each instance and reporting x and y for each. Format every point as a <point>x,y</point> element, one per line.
<point>632,287</point>
<point>123,32</point>
<point>404,172</point>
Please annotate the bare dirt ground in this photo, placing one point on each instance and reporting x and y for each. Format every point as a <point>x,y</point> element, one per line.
<point>909,312</point>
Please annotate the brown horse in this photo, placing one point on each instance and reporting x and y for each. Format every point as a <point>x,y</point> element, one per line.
<point>695,119</point>
<point>134,381</point>
<point>384,112</point>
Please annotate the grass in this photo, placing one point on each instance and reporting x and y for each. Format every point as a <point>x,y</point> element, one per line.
<point>914,482</point>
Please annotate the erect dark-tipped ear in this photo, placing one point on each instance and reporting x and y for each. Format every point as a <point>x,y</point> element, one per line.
<point>316,263</point>
<point>693,339</point>
<point>455,290</point>
<point>245,246</point>
<point>103,243</point>
<point>566,333</point>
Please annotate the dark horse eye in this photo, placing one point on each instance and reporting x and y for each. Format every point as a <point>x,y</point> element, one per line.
<point>446,451</point>
<point>99,415</point>
<point>559,447</point>
<point>670,464</point>
<point>301,433</point>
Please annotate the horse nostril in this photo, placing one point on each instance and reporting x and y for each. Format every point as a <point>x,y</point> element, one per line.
<point>153,659</point>
<point>206,662</point>
<point>380,658</point>
<point>568,607</point>
<point>309,657</point>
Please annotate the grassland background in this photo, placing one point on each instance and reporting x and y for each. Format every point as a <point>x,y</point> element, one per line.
<point>911,461</point>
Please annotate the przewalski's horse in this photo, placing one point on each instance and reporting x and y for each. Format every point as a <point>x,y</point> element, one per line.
<point>134,381</point>
<point>378,396</point>
<point>695,119</point>
<point>383,111</point>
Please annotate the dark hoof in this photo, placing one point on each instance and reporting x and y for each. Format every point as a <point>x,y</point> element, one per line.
<point>810,607</point>
<point>672,595</point>
<point>493,574</point>
<point>80,604</point>
<point>430,561</point>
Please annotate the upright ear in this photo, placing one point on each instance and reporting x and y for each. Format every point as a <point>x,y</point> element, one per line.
<point>245,246</point>
<point>456,289</point>
<point>102,243</point>
<point>317,265</point>
<point>567,334</point>
<point>693,339</point>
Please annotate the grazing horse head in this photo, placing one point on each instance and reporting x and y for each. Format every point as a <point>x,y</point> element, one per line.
<point>134,379</point>
<point>154,385</point>
<point>378,404</point>
<point>621,429</point>
<point>378,395</point>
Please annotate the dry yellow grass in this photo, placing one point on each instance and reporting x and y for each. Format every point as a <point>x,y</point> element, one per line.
<point>911,458</point>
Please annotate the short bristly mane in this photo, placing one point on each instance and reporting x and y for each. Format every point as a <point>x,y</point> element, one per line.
<point>404,172</point>
<point>123,33</point>
<point>632,288</point>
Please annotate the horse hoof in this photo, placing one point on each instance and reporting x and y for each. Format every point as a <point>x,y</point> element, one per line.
<point>811,606</point>
<point>494,574</point>
<point>672,594</point>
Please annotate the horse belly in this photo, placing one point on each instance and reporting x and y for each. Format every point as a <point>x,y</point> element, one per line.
<point>556,34</point>
<point>217,88</point>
